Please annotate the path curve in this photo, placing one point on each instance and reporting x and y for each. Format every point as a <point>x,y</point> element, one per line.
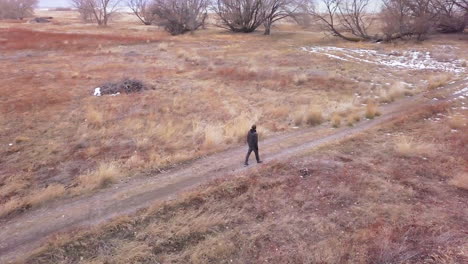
<point>29,230</point>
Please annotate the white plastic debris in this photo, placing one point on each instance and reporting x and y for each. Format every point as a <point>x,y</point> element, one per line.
<point>97,91</point>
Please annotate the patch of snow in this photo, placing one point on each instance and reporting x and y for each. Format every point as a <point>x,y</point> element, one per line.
<point>97,91</point>
<point>461,93</point>
<point>415,60</point>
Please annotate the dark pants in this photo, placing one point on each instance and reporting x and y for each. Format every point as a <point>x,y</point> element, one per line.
<point>248,155</point>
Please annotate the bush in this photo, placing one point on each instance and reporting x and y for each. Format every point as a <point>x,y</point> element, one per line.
<point>17,9</point>
<point>180,16</point>
<point>125,86</point>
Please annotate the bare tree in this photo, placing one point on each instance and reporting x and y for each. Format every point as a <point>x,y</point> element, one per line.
<point>142,10</point>
<point>409,18</point>
<point>17,9</point>
<point>275,10</point>
<point>240,15</point>
<point>347,19</point>
<point>100,11</point>
<point>180,16</point>
<point>451,16</point>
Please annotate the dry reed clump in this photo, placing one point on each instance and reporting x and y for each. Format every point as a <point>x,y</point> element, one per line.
<point>279,112</point>
<point>394,92</point>
<point>457,121</point>
<point>438,81</point>
<point>460,181</point>
<point>407,147</point>
<point>94,117</point>
<point>372,110</point>
<point>336,120</point>
<point>41,196</point>
<point>298,117</point>
<point>300,79</point>
<point>353,118</point>
<point>314,116</point>
<point>236,130</point>
<point>163,46</point>
<point>11,206</point>
<point>105,174</point>
<point>213,136</point>
<point>21,139</point>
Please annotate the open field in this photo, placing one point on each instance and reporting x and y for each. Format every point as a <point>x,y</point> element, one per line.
<point>365,200</point>
<point>204,90</point>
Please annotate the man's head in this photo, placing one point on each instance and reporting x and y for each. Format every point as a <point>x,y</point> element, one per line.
<point>254,127</point>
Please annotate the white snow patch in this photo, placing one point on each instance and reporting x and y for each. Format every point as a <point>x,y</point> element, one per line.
<point>97,91</point>
<point>461,93</point>
<point>412,59</point>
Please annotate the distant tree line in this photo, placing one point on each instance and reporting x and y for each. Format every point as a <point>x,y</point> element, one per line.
<point>17,9</point>
<point>351,20</point>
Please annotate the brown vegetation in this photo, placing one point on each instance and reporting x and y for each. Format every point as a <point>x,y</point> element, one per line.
<point>357,202</point>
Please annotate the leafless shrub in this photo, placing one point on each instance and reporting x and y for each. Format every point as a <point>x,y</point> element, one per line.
<point>98,11</point>
<point>240,15</point>
<point>407,18</point>
<point>275,10</point>
<point>451,16</point>
<point>125,86</point>
<point>417,18</point>
<point>141,10</point>
<point>17,9</point>
<point>180,16</point>
<point>347,19</point>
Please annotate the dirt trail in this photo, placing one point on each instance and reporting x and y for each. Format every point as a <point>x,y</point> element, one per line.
<point>29,230</point>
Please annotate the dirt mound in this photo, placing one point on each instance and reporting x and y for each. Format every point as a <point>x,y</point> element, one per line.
<point>124,86</point>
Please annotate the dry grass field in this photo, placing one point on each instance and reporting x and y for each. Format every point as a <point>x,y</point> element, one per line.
<point>370,199</point>
<point>205,90</point>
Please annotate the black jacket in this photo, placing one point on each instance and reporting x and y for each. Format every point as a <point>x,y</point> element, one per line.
<point>252,139</point>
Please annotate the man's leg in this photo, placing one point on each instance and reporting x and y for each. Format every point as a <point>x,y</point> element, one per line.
<point>247,157</point>
<point>257,156</point>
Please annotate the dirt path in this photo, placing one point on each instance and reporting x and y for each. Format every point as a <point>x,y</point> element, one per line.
<point>29,230</point>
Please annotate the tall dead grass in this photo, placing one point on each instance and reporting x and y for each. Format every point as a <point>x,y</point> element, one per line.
<point>457,121</point>
<point>460,181</point>
<point>408,147</point>
<point>372,110</point>
<point>438,81</point>
<point>105,174</point>
<point>51,192</point>
<point>313,116</point>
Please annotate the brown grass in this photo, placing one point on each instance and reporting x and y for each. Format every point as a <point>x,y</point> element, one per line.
<point>357,213</point>
<point>460,181</point>
<point>300,79</point>
<point>23,39</point>
<point>51,192</point>
<point>409,147</point>
<point>313,116</point>
<point>230,81</point>
<point>438,81</point>
<point>457,121</point>
<point>372,110</point>
<point>336,120</point>
<point>105,174</point>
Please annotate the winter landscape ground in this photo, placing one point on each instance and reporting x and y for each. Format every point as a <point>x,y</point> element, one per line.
<point>364,146</point>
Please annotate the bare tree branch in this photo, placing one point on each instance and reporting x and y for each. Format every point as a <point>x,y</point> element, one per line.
<point>141,10</point>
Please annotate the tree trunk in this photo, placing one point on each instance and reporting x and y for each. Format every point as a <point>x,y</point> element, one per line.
<point>267,26</point>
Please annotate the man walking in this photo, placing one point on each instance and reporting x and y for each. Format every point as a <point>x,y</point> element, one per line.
<point>252,140</point>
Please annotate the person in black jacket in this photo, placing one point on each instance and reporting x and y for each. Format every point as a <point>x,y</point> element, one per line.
<point>252,141</point>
